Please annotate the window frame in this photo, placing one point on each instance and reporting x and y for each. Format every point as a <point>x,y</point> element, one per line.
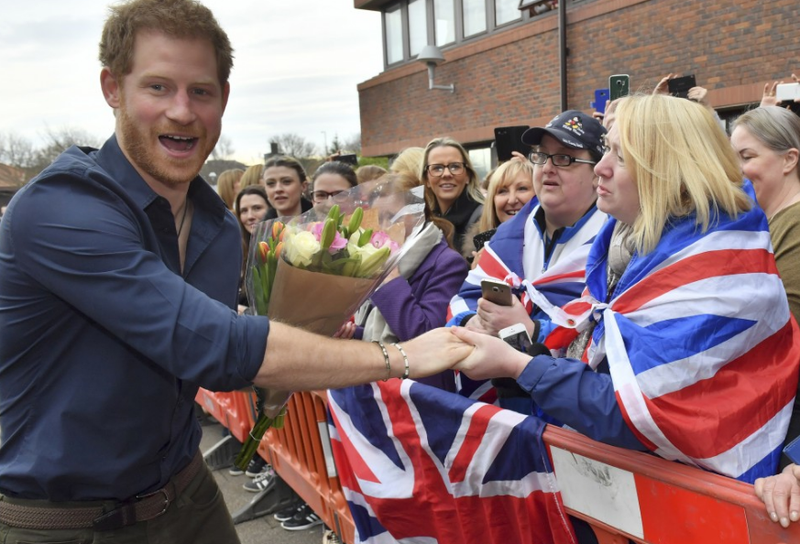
<point>430,22</point>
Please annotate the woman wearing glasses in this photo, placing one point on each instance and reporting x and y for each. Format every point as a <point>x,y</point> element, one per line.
<point>545,244</point>
<point>451,185</point>
<point>330,179</point>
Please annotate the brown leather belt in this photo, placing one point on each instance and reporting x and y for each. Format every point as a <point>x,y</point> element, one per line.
<point>140,508</point>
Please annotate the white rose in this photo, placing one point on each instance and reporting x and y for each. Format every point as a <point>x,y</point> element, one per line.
<point>300,248</point>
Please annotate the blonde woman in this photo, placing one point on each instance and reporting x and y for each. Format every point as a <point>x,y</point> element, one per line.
<point>228,186</point>
<point>510,188</point>
<point>251,176</point>
<point>682,343</point>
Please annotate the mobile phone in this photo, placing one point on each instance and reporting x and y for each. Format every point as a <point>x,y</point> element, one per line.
<point>496,292</point>
<point>679,86</point>
<point>600,100</point>
<point>792,451</point>
<point>352,160</point>
<point>508,139</point>
<point>480,239</point>
<point>619,85</point>
<point>787,91</point>
<point>517,337</point>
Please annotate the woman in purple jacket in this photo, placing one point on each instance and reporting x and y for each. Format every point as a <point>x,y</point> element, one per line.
<point>414,297</point>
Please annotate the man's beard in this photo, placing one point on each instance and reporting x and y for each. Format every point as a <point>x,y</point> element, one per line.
<point>140,146</point>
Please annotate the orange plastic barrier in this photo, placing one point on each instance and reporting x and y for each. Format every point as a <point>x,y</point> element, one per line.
<point>299,452</point>
<point>632,495</point>
<point>233,410</point>
<point>623,495</point>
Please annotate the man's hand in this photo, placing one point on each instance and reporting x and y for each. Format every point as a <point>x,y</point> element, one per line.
<point>493,317</point>
<point>434,352</point>
<point>781,495</point>
<point>490,357</point>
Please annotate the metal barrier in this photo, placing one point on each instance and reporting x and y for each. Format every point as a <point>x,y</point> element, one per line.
<point>624,495</point>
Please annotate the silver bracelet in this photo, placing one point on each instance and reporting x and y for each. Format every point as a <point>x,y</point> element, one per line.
<point>405,360</point>
<point>385,360</point>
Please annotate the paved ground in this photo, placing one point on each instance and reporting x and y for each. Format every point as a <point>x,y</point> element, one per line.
<point>263,530</point>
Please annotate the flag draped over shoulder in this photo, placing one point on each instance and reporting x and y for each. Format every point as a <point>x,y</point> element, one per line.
<point>560,278</point>
<point>701,346</point>
<point>418,464</point>
<point>516,256</point>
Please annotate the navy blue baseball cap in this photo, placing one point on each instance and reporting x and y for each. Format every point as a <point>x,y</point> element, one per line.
<point>573,129</point>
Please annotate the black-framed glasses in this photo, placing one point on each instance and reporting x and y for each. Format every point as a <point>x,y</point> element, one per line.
<point>437,170</point>
<point>559,159</point>
<point>321,196</point>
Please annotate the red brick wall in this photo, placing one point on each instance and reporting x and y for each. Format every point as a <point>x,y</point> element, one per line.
<point>512,77</point>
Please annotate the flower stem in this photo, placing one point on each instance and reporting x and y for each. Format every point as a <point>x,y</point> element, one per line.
<point>256,434</point>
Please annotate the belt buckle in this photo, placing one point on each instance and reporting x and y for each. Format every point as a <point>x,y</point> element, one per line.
<point>163,491</point>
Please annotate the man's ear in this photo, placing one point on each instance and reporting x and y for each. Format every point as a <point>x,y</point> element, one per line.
<point>111,88</point>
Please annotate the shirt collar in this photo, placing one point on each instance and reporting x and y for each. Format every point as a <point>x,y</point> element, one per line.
<point>111,158</point>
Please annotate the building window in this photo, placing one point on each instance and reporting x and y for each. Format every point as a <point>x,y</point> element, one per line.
<point>393,22</point>
<point>474,17</point>
<point>444,13</point>
<point>506,11</point>
<point>417,26</point>
<point>410,25</point>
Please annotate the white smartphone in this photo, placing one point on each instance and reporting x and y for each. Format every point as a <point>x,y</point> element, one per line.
<point>787,91</point>
<point>516,336</point>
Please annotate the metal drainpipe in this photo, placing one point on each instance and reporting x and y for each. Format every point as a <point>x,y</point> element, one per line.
<point>562,50</point>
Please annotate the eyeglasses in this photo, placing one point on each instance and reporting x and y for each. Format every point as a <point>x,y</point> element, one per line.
<point>437,170</point>
<point>321,196</point>
<point>560,159</point>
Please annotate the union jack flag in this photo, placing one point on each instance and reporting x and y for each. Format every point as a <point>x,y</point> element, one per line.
<point>516,256</point>
<point>418,464</point>
<point>701,346</point>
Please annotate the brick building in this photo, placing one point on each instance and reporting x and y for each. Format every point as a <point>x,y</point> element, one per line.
<point>505,65</point>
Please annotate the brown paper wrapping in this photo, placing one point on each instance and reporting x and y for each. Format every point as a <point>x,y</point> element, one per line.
<point>315,301</point>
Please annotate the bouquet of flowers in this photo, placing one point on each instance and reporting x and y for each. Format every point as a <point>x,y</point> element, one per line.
<point>315,270</point>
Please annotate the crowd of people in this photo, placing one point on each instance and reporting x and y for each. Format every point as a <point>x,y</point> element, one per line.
<point>651,258</point>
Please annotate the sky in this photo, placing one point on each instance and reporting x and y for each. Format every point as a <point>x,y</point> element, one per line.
<point>297,64</point>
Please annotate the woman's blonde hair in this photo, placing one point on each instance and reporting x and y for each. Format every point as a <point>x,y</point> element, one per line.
<point>473,184</point>
<point>369,172</point>
<point>682,164</point>
<point>225,184</point>
<point>502,176</point>
<point>251,176</point>
<point>408,162</point>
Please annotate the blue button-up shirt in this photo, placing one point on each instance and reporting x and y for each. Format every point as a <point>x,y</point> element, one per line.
<point>103,343</point>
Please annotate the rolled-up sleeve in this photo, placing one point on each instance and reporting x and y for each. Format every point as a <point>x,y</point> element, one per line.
<point>105,264</point>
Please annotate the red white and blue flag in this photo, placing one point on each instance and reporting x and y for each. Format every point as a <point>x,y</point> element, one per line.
<point>418,464</point>
<point>701,346</point>
<point>516,255</point>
